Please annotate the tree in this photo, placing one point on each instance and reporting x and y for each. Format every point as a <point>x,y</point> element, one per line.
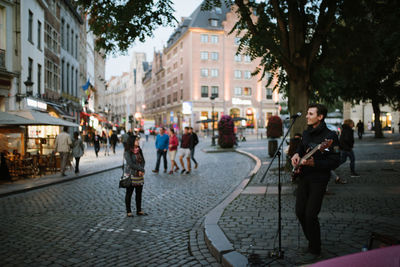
<point>118,24</point>
<point>362,62</point>
<point>287,35</point>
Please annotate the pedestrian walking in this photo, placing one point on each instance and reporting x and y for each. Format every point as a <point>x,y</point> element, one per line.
<point>314,177</point>
<point>184,151</point>
<point>147,133</point>
<point>106,143</point>
<point>113,140</point>
<point>4,171</point>
<point>360,129</point>
<point>77,150</point>
<point>162,143</point>
<point>63,146</point>
<point>172,150</point>
<point>134,169</point>
<point>194,140</point>
<point>96,143</point>
<point>346,142</point>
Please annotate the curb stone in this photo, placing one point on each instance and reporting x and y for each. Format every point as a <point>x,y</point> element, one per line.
<point>218,244</point>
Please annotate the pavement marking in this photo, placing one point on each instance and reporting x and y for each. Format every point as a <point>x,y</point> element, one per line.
<point>266,162</point>
<point>140,231</point>
<point>378,161</point>
<point>255,190</point>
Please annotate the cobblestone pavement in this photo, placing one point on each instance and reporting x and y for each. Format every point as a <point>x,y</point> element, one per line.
<point>83,222</point>
<point>349,213</point>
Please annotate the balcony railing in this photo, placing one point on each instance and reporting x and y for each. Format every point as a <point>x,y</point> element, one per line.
<point>2,58</point>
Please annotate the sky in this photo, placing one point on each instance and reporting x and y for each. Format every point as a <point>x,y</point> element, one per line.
<point>117,64</point>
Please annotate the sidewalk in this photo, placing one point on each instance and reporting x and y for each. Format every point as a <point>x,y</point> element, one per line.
<point>88,165</point>
<point>350,213</point>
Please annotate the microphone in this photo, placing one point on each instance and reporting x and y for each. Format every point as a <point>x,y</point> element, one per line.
<point>295,116</point>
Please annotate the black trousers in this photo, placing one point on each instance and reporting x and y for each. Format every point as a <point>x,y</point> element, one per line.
<point>192,155</point>
<point>308,205</point>
<point>161,153</point>
<point>77,164</point>
<point>138,198</point>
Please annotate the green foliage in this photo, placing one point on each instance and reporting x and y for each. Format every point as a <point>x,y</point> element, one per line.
<point>118,24</point>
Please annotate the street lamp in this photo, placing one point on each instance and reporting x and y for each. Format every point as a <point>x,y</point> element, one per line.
<point>212,97</point>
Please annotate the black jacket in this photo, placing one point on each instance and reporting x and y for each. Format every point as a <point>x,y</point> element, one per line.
<point>346,140</point>
<point>324,161</point>
<point>194,140</point>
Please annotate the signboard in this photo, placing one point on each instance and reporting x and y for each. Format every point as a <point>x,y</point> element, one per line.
<point>36,104</point>
<point>187,108</point>
<point>238,101</point>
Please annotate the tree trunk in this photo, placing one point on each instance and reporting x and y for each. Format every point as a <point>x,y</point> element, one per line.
<point>298,102</point>
<point>377,122</point>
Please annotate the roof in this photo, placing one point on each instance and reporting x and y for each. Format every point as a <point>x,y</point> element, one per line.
<point>11,119</point>
<point>200,19</point>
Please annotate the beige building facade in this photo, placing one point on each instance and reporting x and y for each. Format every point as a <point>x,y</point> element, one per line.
<point>389,118</point>
<point>200,62</point>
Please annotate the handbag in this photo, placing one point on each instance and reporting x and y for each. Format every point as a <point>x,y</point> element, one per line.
<point>125,181</point>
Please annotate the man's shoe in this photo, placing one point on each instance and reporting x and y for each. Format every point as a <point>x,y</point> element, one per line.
<point>340,181</point>
<point>196,165</point>
<point>354,174</point>
<point>188,172</point>
<point>183,171</point>
<point>309,258</point>
<point>155,171</point>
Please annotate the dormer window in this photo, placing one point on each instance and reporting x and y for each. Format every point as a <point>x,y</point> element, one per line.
<point>214,22</point>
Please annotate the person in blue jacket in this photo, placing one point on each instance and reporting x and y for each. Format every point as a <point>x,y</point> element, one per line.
<point>162,142</point>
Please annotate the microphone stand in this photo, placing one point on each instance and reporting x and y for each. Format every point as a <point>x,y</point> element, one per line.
<point>278,254</point>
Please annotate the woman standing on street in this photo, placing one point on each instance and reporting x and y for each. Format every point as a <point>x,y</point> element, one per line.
<point>172,149</point>
<point>135,169</point>
<point>77,150</point>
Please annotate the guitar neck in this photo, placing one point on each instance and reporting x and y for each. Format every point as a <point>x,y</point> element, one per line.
<point>309,154</point>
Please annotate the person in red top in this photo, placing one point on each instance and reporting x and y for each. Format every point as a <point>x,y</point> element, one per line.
<point>185,150</point>
<point>172,149</point>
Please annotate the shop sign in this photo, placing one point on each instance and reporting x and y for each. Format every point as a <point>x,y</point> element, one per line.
<point>36,104</point>
<point>238,101</point>
<point>187,108</point>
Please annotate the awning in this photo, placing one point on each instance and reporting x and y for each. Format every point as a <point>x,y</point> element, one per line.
<point>11,119</point>
<point>60,111</point>
<point>42,118</point>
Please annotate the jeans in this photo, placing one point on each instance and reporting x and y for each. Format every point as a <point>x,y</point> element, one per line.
<point>77,164</point>
<point>308,205</point>
<point>97,149</point>
<point>138,198</point>
<point>161,153</point>
<point>192,155</point>
<point>343,158</point>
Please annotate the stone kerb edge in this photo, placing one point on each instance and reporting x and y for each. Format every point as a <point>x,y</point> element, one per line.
<point>218,244</point>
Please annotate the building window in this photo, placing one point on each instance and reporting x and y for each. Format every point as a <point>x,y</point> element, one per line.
<point>247,58</point>
<point>204,38</point>
<point>56,77</point>
<point>175,96</point>
<point>51,39</point>
<point>238,58</point>
<point>30,27</point>
<point>72,43</point>
<point>269,93</point>
<point>247,75</point>
<point>214,72</point>
<point>181,94</point>
<point>238,74</point>
<point>62,76</point>
<point>204,55</point>
<point>62,33</point>
<point>214,91</point>
<point>39,37</point>
<point>214,56</point>
<point>204,72</point>
<point>214,22</point>
<point>237,40</point>
<point>181,76</point>
<point>169,99</point>
<point>214,39</point>
<point>238,91</point>
<point>76,46</point>
<point>30,66</point>
<point>39,78</point>
<point>76,83</point>
<point>72,81</point>
<point>218,10</point>
<point>163,101</point>
<point>204,91</point>
<point>181,60</point>
<point>67,80</point>
<point>67,39</point>
<point>247,91</point>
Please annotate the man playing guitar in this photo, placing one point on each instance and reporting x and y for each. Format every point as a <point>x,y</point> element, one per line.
<point>314,176</point>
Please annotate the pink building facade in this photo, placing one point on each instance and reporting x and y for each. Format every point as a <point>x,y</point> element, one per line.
<point>199,62</point>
